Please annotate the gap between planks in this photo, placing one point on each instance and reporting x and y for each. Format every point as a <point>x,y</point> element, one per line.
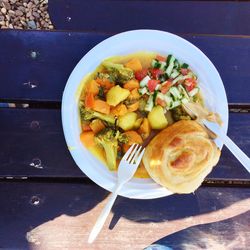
<point>85,180</point>
<point>233,107</point>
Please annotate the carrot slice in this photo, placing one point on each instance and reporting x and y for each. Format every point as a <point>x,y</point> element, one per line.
<point>86,127</point>
<point>132,84</point>
<point>119,110</point>
<point>133,137</point>
<point>96,125</point>
<point>101,106</point>
<point>89,100</point>
<point>134,64</point>
<point>105,83</point>
<point>87,138</point>
<point>93,87</point>
<point>133,107</point>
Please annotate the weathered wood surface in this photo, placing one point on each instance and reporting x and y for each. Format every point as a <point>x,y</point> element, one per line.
<point>56,213</point>
<point>208,17</point>
<point>32,144</point>
<point>35,65</point>
<point>61,215</point>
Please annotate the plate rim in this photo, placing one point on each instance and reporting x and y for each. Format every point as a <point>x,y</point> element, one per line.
<point>159,191</point>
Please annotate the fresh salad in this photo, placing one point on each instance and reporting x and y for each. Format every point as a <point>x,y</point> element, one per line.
<point>128,100</point>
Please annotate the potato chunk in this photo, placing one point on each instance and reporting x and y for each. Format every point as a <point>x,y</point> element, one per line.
<point>157,119</point>
<point>116,95</point>
<point>127,121</point>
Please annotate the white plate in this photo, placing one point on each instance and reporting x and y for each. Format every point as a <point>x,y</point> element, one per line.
<point>122,44</point>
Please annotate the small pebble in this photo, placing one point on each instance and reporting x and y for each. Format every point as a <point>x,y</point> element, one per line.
<point>31,24</point>
<point>3,10</point>
<point>35,14</point>
<point>7,5</point>
<point>19,13</point>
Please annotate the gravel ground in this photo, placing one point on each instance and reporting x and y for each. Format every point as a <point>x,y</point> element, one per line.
<point>24,14</point>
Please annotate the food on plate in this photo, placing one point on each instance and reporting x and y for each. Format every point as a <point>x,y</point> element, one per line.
<point>181,156</point>
<point>130,99</point>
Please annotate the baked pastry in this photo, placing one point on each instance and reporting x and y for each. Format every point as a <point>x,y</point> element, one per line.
<point>181,156</point>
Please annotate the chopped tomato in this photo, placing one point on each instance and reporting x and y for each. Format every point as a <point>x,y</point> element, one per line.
<point>152,84</point>
<point>184,71</point>
<point>139,75</point>
<point>160,102</point>
<point>161,58</point>
<point>190,83</point>
<point>156,73</point>
<point>89,100</point>
<point>166,87</point>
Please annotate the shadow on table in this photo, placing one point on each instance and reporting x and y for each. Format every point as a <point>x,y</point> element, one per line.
<point>25,207</point>
<point>228,234</point>
<point>177,206</point>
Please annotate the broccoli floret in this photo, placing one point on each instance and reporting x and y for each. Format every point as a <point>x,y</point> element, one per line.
<point>104,76</point>
<point>179,113</point>
<point>118,73</point>
<point>109,139</point>
<point>89,114</point>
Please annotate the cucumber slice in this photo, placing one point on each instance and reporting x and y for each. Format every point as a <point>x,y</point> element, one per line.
<point>184,100</point>
<point>154,95</point>
<point>144,81</point>
<point>149,104</point>
<point>170,66</point>
<point>163,77</point>
<point>184,66</point>
<point>175,104</point>
<point>168,59</point>
<point>174,74</point>
<point>183,91</point>
<point>163,65</point>
<point>175,93</point>
<point>193,92</point>
<point>158,86</point>
<point>180,78</point>
<point>176,64</point>
<point>143,91</point>
<point>155,64</point>
<point>169,101</point>
<point>160,96</point>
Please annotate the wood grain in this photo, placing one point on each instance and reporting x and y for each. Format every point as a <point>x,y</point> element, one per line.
<point>33,145</point>
<point>60,216</point>
<point>35,65</point>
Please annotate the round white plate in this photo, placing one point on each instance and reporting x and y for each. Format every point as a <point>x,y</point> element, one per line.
<point>123,44</point>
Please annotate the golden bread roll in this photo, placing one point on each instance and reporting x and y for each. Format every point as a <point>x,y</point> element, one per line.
<point>181,156</point>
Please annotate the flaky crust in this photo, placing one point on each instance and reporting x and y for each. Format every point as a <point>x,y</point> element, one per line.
<point>181,156</point>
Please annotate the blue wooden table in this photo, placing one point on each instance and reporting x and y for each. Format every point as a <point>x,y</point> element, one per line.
<point>47,202</point>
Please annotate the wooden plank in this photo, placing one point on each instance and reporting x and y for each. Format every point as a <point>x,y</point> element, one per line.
<point>34,145</point>
<point>31,136</point>
<point>208,17</point>
<point>35,65</point>
<point>61,215</point>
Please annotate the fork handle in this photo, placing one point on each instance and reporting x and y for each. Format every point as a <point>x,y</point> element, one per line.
<point>103,216</point>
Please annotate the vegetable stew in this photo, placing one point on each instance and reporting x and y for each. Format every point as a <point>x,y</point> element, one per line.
<point>129,99</point>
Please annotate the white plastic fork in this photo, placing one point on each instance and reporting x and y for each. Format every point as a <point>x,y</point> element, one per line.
<point>126,170</point>
<point>215,128</point>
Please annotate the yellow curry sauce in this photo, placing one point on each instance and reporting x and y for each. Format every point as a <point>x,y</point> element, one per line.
<point>156,88</point>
